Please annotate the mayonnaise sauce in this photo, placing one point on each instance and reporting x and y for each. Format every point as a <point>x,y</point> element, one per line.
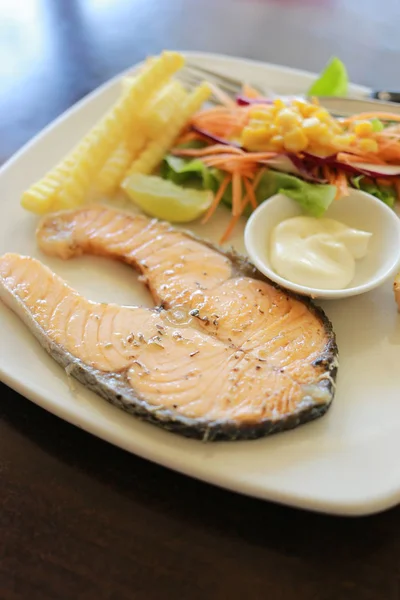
<point>318,253</point>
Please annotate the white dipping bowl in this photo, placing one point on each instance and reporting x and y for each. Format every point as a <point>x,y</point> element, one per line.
<point>358,210</point>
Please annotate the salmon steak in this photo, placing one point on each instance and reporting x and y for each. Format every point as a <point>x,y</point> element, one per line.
<point>224,355</point>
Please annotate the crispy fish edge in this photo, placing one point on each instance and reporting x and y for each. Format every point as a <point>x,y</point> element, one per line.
<point>115,388</point>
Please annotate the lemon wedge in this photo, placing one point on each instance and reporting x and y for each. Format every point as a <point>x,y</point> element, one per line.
<point>165,200</point>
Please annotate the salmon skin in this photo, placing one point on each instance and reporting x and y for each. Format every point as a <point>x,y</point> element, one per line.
<point>225,356</point>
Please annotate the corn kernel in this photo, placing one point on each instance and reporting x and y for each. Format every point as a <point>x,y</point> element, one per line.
<point>287,118</point>
<point>323,116</point>
<point>276,142</point>
<point>319,150</point>
<point>295,140</point>
<point>312,127</point>
<point>257,124</point>
<point>363,128</point>
<point>344,141</point>
<point>272,130</point>
<point>299,104</point>
<point>306,109</point>
<point>263,114</point>
<point>269,129</point>
<point>336,127</point>
<point>368,145</point>
<point>256,128</point>
<point>279,104</point>
<point>326,139</point>
<point>254,139</point>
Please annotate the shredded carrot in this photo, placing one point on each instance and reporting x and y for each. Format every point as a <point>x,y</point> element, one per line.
<point>243,160</point>
<point>217,199</point>
<point>250,192</point>
<point>342,185</point>
<point>359,158</point>
<point>215,120</point>
<point>217,161</point>
<point>231,226</point>
<point>222,121</point>
<point>221,95</point>
<point>390,151</point>
<point>384,182</point>
<point>243,169</point>
<point>329,176</point>
<point>188,136</point>
<point>227,164</point>
<point>259,155</point>
<point>216,110</point>
<point>383,116</point>
<point>388,143</point>
<point>389,132</point>
<point>234,220</point>
<point>236,193</point>
<point>208,150</point>
<point>250,92</point>
<point>229,159</point>
<point>257,178</point>
<point>228,122</point>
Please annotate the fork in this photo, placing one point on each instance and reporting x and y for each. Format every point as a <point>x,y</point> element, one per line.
<point>339,106</point>
<point>230,85</point>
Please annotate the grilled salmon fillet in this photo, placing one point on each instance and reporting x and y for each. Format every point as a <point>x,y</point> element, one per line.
<point>226,355</point>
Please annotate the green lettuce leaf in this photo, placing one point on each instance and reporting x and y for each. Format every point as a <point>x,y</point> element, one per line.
<point>333,80</point>
<point>314,198</point>
<point>190,173</point>
<point>385,193</point>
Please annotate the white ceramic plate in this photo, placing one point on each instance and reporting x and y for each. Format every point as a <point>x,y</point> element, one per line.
<point>345,463</point>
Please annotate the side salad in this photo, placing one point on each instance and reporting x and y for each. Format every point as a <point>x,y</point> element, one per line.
<point>248,150</point>
<point>179,159</point>
<point>241,191</point>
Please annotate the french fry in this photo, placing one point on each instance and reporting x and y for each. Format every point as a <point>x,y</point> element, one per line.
<point>67,184</point>
<point>163,107</point>
<point>40,197</point>
<point>156,149</point>
<point>109,177</point>
<point>126,83</point>
<point>102,140</point>
<point>115,168</point>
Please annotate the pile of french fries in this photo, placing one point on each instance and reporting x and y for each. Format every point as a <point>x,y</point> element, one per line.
<point>133,137</point>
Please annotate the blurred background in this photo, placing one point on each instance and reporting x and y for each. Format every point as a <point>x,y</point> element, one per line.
<point>53,52</point>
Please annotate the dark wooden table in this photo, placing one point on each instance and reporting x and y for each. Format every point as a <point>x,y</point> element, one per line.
<point>81,519</point>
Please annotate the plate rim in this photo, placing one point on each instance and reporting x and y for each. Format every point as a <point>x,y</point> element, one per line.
<point>382,500</point>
